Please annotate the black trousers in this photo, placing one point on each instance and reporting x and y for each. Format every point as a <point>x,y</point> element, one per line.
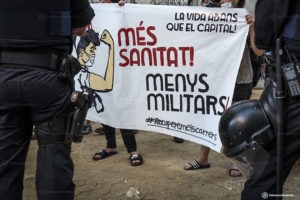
<point>127,135</point>
<point>33,97</point>
<point>242,92</point>
<point>266,183</point>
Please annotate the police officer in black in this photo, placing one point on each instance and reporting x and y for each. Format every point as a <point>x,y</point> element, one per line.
<point>274,19</point>
<point>248,129</point>
<point>35,35</point>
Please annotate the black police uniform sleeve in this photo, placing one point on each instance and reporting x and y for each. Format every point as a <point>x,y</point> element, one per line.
<point>270,16</point>
<point>82,13</point>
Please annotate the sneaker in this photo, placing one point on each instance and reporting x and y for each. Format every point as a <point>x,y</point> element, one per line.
<point>87,128</point>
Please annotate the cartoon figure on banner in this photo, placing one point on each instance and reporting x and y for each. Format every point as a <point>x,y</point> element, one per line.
<point>91,82</point>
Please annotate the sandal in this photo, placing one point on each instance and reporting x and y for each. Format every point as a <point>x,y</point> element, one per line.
<point>134,157</point>
<point>234,168</point>
<point>103,154</point>
<point>196,165</point>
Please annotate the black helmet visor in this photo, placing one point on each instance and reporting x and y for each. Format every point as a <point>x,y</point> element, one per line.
<point>252,161</point>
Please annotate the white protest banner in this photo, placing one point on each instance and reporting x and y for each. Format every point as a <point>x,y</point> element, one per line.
<point>166,69</point>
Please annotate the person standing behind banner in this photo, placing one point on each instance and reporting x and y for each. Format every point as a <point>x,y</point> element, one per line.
<point>35,48</point>
<point>285,23</point>
<point>128,135</point>
<point>242,90</point>
<point>202,161</point>
<point>244,83</point>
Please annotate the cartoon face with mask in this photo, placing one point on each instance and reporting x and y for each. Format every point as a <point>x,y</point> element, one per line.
<point>86,48</point>
<point>87,56</point>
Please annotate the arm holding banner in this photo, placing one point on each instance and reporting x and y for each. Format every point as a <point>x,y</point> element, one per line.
<point>250,20</point>
<point>96,81</point>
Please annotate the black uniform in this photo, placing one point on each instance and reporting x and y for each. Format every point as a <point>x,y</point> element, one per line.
<point>275,18</point>
<point>34,36</point>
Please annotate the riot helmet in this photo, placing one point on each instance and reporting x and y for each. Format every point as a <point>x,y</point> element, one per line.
<point>245,130</point>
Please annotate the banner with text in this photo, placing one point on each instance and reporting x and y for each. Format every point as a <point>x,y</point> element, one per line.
<point>166,69</point>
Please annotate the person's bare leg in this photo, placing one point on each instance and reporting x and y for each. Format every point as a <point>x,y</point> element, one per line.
<point>202,158</point>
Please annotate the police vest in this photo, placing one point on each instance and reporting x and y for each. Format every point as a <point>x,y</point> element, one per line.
<point>35,22</point>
